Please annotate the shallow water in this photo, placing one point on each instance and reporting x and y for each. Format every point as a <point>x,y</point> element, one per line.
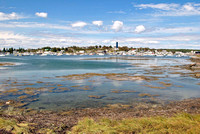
<point>41,72</point>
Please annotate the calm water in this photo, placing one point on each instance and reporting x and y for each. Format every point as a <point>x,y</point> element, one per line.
<point>31,69</point>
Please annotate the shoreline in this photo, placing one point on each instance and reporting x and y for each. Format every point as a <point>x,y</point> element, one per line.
<point>68,119</point>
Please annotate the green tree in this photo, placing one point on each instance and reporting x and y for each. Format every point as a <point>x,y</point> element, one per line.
<point>66,49</point>
<point>46,48</point>
<point>53,49</point>
<point>4,49</point>
<point>124,48</point>
<point>11,50</point>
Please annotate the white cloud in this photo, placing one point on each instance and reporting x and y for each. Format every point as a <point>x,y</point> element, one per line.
<point>117,25</point>
<point>117,12</point>
<point>187,9</point>
<point>9,35</point>
<point>34,25</point>
<point>179,38</point>
<point>106,41</point>
<point>161,6</point>
<point>140,29</point>
<point>79,24</point>
<point>142,40</point>
<point>12,16</point>
<point>176,30</point>
<point>41,14</point>
<point>97,23</point>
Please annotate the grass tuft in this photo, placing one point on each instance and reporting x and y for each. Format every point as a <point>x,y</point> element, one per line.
<point>180,123</point>
<point>13,127</point>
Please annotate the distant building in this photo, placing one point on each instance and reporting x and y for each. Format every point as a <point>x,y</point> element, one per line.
<point>116,44</point>
<point>197,52</point>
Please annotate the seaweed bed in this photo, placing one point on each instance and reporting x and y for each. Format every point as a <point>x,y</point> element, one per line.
<point>111,76</point>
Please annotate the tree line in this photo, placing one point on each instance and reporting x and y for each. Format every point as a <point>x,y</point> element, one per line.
<point>90,48</point>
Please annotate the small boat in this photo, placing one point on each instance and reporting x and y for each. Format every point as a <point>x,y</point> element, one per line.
<point>59,54</point>
<point>43,54</point>
<point>1,55</point>
<point>101,54</point>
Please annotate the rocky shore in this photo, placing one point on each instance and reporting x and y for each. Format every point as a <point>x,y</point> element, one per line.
<point>196,65</point>
<point>60,122</point>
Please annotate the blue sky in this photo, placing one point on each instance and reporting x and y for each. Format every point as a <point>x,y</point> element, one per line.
<point>136,23</point>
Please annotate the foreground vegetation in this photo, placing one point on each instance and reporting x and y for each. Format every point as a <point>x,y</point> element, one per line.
<point>180,124</point>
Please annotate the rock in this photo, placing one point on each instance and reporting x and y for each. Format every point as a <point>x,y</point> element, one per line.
<point>96,97</point>
<point>197,75</point>
<point>194,66</point>
<point>154,106</point>
<point>8,102</point>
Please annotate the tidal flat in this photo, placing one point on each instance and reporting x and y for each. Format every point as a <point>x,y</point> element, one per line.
<point>69,88</point>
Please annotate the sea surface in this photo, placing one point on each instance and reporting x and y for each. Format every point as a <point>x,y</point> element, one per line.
<point>45,73</point>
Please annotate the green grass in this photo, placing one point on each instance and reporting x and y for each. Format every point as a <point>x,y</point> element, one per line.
<point>179,124</point>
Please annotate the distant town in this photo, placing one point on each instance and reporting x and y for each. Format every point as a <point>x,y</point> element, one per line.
<point>98,50</point>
